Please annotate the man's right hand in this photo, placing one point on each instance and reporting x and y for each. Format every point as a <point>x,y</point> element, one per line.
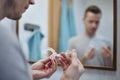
<point>90,54</point>
<point>72,67</point>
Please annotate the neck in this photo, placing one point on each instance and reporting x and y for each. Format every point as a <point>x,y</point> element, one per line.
<point>1,15</point>
<point>89,34</point>
<point>2,10</point>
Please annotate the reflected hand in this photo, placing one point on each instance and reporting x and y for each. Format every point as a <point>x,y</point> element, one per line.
<point>44,68</point>
<point>106,52</point>
<point>73,69</point>
<point>90,54</point>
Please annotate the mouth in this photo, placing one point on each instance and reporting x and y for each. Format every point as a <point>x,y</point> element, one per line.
<point>27,7</point>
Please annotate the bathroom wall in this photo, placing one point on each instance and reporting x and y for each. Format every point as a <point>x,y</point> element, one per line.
<point>37,15</point>
<point>90,74</point>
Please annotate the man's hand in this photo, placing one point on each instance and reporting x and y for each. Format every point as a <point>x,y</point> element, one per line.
<point>88,55</point>
<point>107,55</point>
<point>106,52</point>
<point>44,68</point>
<point>72,67</point>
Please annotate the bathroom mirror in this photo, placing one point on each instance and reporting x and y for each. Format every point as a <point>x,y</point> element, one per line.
<point>61,24</point>
<point>97,51</point>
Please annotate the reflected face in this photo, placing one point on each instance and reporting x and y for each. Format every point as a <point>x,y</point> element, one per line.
<point>91,21</point>
<point>18,8</point>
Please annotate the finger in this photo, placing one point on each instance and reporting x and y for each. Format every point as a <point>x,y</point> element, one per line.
<point>48,65</point>
<point>81,67</point>
<point>67,58</point>
<point>103,52</point>
<point>62,54</point>
<point>54,65</point>
<point>49,68</point>
<point>91,56</point>
<point>55,60</point>
<point>79,62</point>
<point>74,54</point>
<point>64,59</point>
<point>46,60</point>
<point>53,68</point>
<point>67,63</point>
<point>93,50</point>
<point>106,50</point>
<point>105,47</point>
<point>64,66</point>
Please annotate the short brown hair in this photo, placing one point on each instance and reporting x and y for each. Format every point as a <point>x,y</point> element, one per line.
<point>94,9</point>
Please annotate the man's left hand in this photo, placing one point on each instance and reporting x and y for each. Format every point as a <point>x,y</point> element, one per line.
<point>106,52</point>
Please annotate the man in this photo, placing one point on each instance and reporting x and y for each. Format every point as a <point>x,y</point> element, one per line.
<point>94,49</point>
<point>13,65</point>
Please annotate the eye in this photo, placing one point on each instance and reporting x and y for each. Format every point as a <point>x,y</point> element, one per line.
<point>90,21</point>
<point>97,22</point>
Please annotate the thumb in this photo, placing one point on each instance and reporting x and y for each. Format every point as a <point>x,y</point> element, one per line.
<point>74,54</point>
<point>46,60</point>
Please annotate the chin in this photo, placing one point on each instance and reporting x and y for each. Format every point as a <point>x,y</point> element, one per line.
<point>15,17</point>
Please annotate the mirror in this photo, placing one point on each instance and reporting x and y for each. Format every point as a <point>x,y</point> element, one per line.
<point>93,38</point>
<point>69,24</point>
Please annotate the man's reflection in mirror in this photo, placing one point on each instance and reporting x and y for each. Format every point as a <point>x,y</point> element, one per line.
<point>93,49</point>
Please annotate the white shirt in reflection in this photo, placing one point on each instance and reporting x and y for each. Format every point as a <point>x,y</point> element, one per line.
<point>82,43</point>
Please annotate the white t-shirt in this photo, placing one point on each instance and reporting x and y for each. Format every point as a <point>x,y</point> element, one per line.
<point>13,65</point>
<point>83,43</point>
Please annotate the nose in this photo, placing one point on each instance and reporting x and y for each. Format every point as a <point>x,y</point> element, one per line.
<point>31,2</point>
<point>94,25</point>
